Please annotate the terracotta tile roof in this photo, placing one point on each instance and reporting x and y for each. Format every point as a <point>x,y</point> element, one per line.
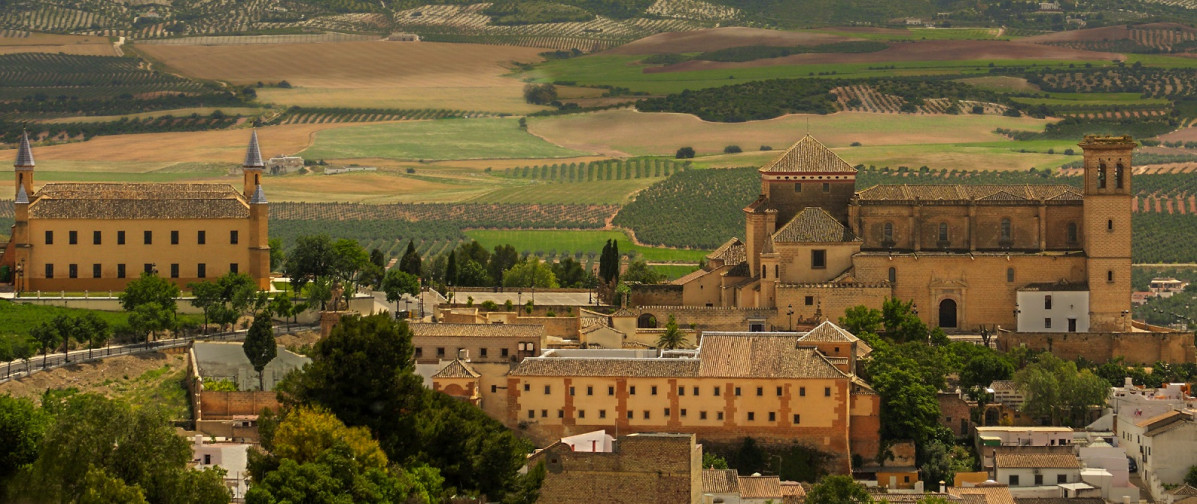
<point>720,481</point>
<point>531,331</point>
<point>814,225</point>
<point>24,153</point>
<point>457,369</point>
<point>1059,500</point>
<point>792,489</point>
<point>992,493</point>
<point>808,156</point>
<point>912,498</point>
<point>760,487</point>
<point>1164,423</point>
<point>761,356</point>
<point>729,355</point>
<point>97,200</point>
<point>957,192</point>
<point>732,252</point>
<point>1035,456</point>
<point>1184,490</point>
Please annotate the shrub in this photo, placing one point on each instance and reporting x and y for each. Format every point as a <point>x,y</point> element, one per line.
<point>685,153</point>
<point>766,148</point>
<point>732,149</point>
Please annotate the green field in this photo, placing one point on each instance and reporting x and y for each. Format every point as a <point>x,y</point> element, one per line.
<point>434,140</point>
<point>924,34</point>
<point>604,192</point>
<point>1096,99</point>
<point>544,242</point>
<point>622,71</point>
<point>672,271</point>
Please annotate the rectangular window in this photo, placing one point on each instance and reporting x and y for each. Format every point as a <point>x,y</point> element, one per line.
<point>797,419</point>
<point>582,413</point>
<point>826,391</point>
<point>1038,479</point>
<point>760,391</point>
<point>702,415</point>
<point>610,391</point>
<point>503,352</point>
<point>120,271</point>
<point>49,271</point>
<point>49,237</point>
<point>1047,323</point>
<point>1013,480</point>
<point>797,187</point>
<point>527,387</point>
<point>602,413</point>
<point>802,391</point>
<point>681,391</point>
<point>1110,276</point>
<point>696,391</point>
<point>148,267</point>
<point>73,237</point>
<point>174,237</point>
<point>97,237</point>
<point>148,237</point>
<point>233,237</point>
<point>73,270</point>
<point>682,412</point>
<point>1047,302</point>
<point>420,353</point>
<point>95,271</point>
<point>737,391</point>
<point>571,391</point>
<point>544,413</point>
<point>716,391</point>
<point>531,414</point>
<point>751,416</point>
<point>589,390</point>
<point>201,237</point>
<point>630,415</point>
<point>654,390</point>
<point>632,390</point>
<point>818,259</point>
<point>174,271</point>
<point>1063,478</point>
<point>201,271</point>
<point>772,416</point>
<point>809,301</point>
<point>560,413</point>
<point>646,414</point>
<point>120,237</point>
<point>440,352</point>
<point>234,268</point>
<point>778,391</point>
<point>719,415</point>
<point>826,187</point>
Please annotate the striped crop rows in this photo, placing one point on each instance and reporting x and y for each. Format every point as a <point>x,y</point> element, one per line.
<point>864,98</point>
<point>24,75</point>
<point>341,115</point>
<point>615,169</point>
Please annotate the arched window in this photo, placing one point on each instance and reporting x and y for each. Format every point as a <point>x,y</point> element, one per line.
<point>893,275</point>
<point>1118,175</point>
<point>1006,231</point>
<point>1009,275</point>
<point>1101,174</point>
<point>1072,238</point>
<point>887,231</point>
<point>943,231</point>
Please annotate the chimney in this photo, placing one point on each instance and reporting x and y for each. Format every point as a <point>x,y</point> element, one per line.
<point>1128,382</point>
<point>463,354</point>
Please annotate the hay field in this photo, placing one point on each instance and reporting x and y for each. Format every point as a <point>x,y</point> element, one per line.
<point>83,45</point>
<point>379,187</point>
<point>433,140</point>
<point>372,74</point>
<point>636,133</point>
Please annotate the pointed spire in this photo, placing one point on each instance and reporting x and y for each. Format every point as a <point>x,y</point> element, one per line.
<point>24,153</point>
<point>253,155</point>
<point>22,196</point>
<point>259,197</point>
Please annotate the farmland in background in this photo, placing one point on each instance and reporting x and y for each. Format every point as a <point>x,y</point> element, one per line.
<point>428,140</point>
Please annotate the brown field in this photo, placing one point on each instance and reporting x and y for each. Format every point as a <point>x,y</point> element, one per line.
<point>93,377</point>
<point>85,45</point>
<point>1102,34</point>
<point>1181,135</point>
<point>628,132</point>
<point>371,187</point>
<point>722,38</point>
<point>1001,83</point>
<point>364,74</point>
<point>922,50</point>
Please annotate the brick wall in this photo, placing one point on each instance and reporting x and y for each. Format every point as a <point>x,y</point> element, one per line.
<point>226,405</point>
<point>955,414</point>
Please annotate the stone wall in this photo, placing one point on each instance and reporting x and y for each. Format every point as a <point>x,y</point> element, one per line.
<point>655,295</point>
<point>650,468</point>
<point>713,318</point>
<point>226,405</point>
<point>1134,347</point>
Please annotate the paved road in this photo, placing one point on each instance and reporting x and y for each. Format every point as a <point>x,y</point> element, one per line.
<point>518,298</point>
<point>55,360</point>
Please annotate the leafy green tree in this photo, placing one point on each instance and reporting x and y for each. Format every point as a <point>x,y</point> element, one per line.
<point>319,292</point>
<point>397,282</point>
<point>942,461</point>
<point>673,337</point>
<point>901,324</point>
<point>451,269</point>
<point>67,328</point>
<point>283,307</point>
<point>377,258</point>
<point>278,256</point>
<point>311,258</point>
<point>349,258</point>
<point>46,334</point>
<point>306,433</point>
<point>335,478</point>
<point>640,271</point>
<point>570,273</point>
<point>207,297</point>
<point>1055,389</point>
<point>530,272</point>
<point>713,461</point>
<point>862,320</point>
<point>410,263</point>
<point>22,427</point>
<point>1191,476</point>
<point>93,329</point>
<point>99,487</point>
<point>150,288</point>
<point>260,346</point>
<point>503,258</point>
<point>150,318</point>
<point>838,489</point>
<point>982,370</point>
<point>471,273</point>
<point>609,262</point>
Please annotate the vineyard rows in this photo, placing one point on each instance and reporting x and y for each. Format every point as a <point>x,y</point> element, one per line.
<point>1138,40</point>
<point>52,75</point>
<point>324,116</point>
<point>1118,114</point>
<point>1150,82</point>
<point>615,169</point>
<point>862,97</point>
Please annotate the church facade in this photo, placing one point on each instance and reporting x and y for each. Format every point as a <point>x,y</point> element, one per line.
<point>99,236</point>
<point>967,256</point>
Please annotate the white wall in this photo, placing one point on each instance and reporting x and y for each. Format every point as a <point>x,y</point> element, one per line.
<point>1065,305</point>
<point>1026,476</point>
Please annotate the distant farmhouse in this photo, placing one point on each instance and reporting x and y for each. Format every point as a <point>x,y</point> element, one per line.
<point>98,236</point>
<point>282,165</point>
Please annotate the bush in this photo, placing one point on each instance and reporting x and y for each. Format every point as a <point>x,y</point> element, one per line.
<point>732,149</point>
<point>685,153</point>
<point>766,148</point>
<point>490,306</point>
<point>540,94</point>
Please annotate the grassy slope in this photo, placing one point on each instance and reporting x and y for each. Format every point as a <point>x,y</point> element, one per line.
<point>578,241</point>
<point>430,140</point>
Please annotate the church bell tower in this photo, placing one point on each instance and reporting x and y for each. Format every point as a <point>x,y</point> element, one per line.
<point>1107,230</point>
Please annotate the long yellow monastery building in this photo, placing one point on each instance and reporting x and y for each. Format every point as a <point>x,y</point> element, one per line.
<point>99,236</point>
<point>966,255</point>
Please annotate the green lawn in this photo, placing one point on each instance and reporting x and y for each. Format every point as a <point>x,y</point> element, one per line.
<point>622,71</point>
<point>434,140</point>
<point>604,192</point>
<point>546,241</point>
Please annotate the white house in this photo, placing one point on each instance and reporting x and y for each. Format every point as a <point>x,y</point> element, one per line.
<point>1164,446</point>
<point>1038,471</point>
<point>594,442</point>
<point>1053,307</point>
<point>1106,467</point>
<point>1133,404</point>
<point>232,457</point>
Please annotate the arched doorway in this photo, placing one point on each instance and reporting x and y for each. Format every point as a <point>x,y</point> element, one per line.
<point>646,321</point>
<point>947,313</point>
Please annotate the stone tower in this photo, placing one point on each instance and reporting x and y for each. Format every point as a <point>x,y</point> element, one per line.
<point>252,167</point>
<point>808,174</point>
<point>1107,230</point>
<point>259,214</point>
<point>24,167</point>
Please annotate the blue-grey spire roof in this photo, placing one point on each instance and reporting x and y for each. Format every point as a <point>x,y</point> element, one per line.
<point>24,153</point>
<point>253,155</point>
<point>22,196</point>
<point>259,197</point>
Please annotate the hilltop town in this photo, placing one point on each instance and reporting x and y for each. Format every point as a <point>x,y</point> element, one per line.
<point>688,252</point>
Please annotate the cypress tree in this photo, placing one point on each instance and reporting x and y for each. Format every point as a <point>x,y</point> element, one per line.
<point>451,269</point>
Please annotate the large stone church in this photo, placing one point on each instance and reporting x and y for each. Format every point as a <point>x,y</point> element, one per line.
<point>98,236</point>
<point>1042,258</point>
